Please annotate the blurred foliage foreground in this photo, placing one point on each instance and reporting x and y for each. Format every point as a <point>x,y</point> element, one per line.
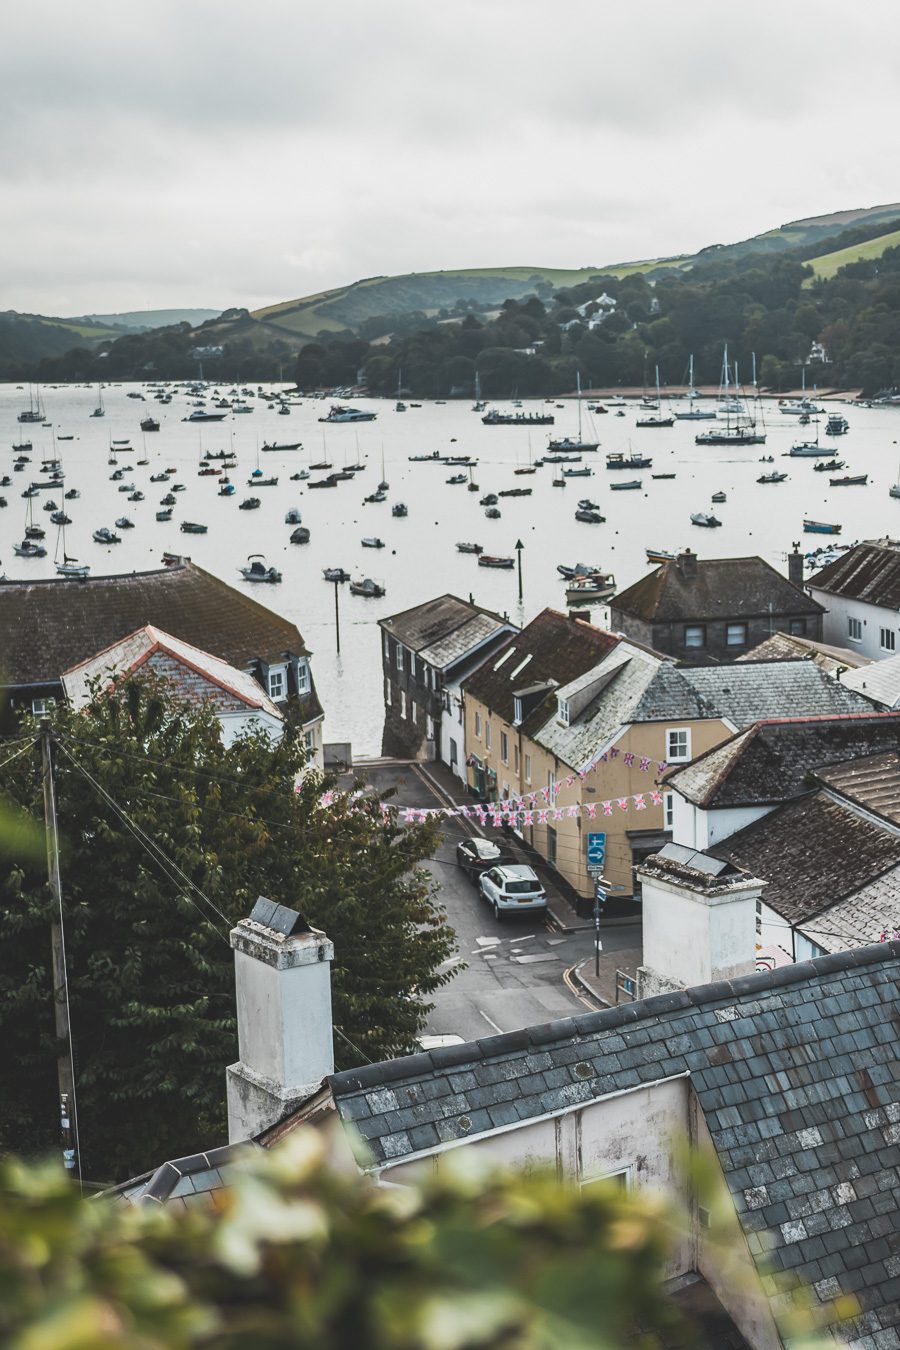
<point>298,1252</point>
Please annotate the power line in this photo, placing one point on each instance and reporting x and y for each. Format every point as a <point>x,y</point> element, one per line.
<point>31,743</point>
<point>156,852</point>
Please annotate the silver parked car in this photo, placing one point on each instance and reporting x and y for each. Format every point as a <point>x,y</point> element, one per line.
<point>512,888</point>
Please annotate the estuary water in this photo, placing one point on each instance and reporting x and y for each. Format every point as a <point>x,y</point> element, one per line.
<point>420,559</point>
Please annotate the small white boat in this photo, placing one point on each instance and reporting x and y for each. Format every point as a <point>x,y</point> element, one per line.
<point>705,518</point>
<point>259,571</point>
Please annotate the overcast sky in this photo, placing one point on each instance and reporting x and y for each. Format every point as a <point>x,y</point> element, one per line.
<point>161,153</point>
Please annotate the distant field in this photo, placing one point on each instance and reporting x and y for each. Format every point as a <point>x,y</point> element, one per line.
<point>826,266</point>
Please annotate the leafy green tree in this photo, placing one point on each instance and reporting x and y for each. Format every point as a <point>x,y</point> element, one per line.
<point>168,838</point>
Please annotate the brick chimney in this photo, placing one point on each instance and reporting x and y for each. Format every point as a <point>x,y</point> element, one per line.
<point>699,920</point>
<point>282,971</point>
<point>687,563</point>
<point>795,567</point>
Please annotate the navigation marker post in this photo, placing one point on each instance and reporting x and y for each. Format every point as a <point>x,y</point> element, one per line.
<point>519,547</point>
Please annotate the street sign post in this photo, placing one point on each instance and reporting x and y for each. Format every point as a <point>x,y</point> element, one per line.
<point>596,849</point>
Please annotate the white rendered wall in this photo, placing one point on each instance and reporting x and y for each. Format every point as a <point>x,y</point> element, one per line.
<point>235,724</point>
<point>452,728</point>
<point>872,617</point>
<point>695,828</point>
<point>691,938</point>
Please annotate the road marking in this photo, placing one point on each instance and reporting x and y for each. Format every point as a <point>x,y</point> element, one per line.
<point>490,1023</point>
<point>488,941</point>
<point>573,989</point>
<point>535,957</point>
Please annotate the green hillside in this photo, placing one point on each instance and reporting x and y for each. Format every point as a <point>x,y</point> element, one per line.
<point>828,264</point>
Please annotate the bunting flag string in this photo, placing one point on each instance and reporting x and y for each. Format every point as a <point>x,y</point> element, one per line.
<point>536,807</point>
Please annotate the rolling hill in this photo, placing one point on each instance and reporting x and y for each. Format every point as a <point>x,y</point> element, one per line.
<point>829,264</point>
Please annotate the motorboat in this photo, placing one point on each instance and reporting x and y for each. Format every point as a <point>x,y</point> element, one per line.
<point>626,485</point>
<point>654,420</point>
<point>60,518</point>
<point>123,523</point>
<point>620,461</point>
<point>164,516</point>
<point>335,574</point>
<point>378,496</point>
<point>829,464</point>
<point>850,480</point>
<point>659,555</point>
<point>300,477</point>
<point>837,425</point>
<point>595,589</point>
<point>136,496</point>
<point>706,519</point>
<point>259,571</point>
<point>456,478</point>
<point>719,497</point>
<point>820,527</point>
<point>105,536</point>
<point>490,500</point>
<point>372,541</point>
<point>422,459</point>
<point>367,588</point>
<point>192,527</point>
<point>517,492</point>
<point>262,482</point>
<point>199,415</point>
<point>341,413</point>
<point>226,489</point>
<point>300,535</point>
<point>277,446</point>
<point>168,500</point>
<point>495,418</point>
<point>578,473</point>
<point>662,475</point>
<point>293,517</point>
<point>330,482</point>
<point>579,570</point>
<point>248,504</point>
<point>149,424</point>
<point>731,435</point>
<point>773,477</point>
<point>492,560</point>
<point>29,549</point>
<point>585,504</point>
<point>492,513</point>
<point>566,444</point>
<point>399,509</point>
<point>589,517</point>
<point>469,548</point>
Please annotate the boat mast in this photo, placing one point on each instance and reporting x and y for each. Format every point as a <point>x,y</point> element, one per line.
<point>578,387</point>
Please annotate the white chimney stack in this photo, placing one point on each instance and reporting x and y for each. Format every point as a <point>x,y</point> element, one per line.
<point>699,920</point>
<point>282,969</point>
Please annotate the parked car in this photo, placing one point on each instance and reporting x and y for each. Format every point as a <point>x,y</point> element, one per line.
<point>476,855</point>
<point>512,888</point>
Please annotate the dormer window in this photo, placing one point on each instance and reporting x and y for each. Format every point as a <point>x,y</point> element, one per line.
<point>303,682</point>
<point>563,711</point>
<point>276,683</point>
<point>517,710</point>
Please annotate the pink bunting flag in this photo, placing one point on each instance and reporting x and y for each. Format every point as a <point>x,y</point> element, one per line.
<point>409,814</point>
<point>573,810</point>
<point>591,810</point>
<point>614,753</point>
<point>628,758</point>
<point>542,817</point>
<point>529,818</point>
<point>569,781</point>
<point>656,797</point>
<point>495,819</point>
<point>607,808</point>
<point>464,811</point>
<point>645,764</point>
<point>545,793</point>
<point>661,765</point>
<point>558,813</point>
<point>640,804</point>
<point>622,803</point>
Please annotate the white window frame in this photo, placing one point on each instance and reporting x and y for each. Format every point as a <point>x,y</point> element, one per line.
<point>412,711</point>
<point>403,704</point>
<point>734,627</point>
<point>429,727</point>
<point>671,734</point>
<point>399,658</point>
<point>487,735</point>
<point>478,724</point>
<point>888,640</point>
<point>624,1175</point>
<point>309,743</point>
<point>515,757</point>
<point>695,628</point>
<point>797,628</point>
<point>387,646</point>
<point>551,784</point>
<point>563,710</point>
<point>527,768</point>
<point>504,747</point>
<point>854,629</point>
<point>304,679</point>
<point>668,810</point>
<point>277,683</point>
<point>387,692</point>
<point>40,707</point>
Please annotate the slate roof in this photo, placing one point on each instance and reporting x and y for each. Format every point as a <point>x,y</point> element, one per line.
<point>797,1074</point>
<point>813,851</point>
<point>49,626</point>
<point>879,680</point>
<point>131,653</point>
<point>872,781</point>
<point>759,690</point>
<point>869,572</point>
<point>861,918</point>
<point>184,1182</point>
<point>551,647</point>
<point>721,588</point>
<point>771,761</point>
<point>786,646</point>
<point>444,629</point>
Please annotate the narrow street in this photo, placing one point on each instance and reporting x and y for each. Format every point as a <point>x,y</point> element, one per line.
<point>511,973</point>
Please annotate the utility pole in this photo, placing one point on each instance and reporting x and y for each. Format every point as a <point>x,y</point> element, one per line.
<point>519,547</point>
<point>64,1068</point>
<point>599,898</point>
<point>337,617</point>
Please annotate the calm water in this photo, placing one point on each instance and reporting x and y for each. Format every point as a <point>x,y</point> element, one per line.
<point>420,559</point>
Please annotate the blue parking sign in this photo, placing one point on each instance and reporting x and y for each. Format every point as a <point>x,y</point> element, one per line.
<point>596,849</point>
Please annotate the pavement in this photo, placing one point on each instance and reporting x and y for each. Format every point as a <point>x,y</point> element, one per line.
<point>507,974</point>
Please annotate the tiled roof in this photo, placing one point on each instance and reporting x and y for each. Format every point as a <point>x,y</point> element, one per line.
<point>443,623</point>
<point>812,852</point>
<point>131,653</point>
<point>861,918</point>
<point>784,646</point>
<point>47,627</point>
<point>796,1072</point>
<point>771,761</point>
<point>759,690</point>
<point>721,588</point>
<point>551,647</point>
<point>872,782</point>
<point>880,680</point>
<point>468,639</point>
<point>183,1182</point>
<point>869,572</point>
<point>632,686</point>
